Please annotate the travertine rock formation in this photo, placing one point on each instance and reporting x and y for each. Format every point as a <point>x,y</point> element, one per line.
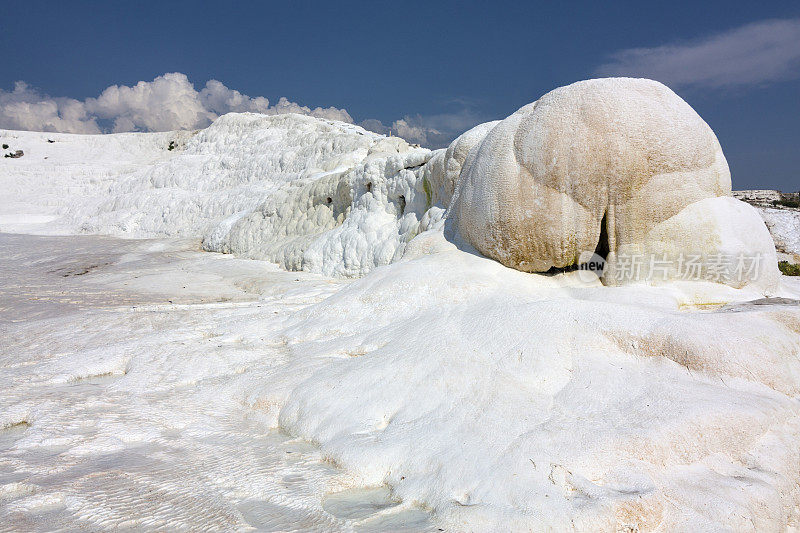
<point>602,165</point>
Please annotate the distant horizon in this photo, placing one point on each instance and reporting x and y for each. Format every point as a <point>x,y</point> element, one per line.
<point>427,73</point>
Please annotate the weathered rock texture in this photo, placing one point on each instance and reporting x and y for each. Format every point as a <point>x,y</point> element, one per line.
<point>782,219</point>
<point>607,164</point>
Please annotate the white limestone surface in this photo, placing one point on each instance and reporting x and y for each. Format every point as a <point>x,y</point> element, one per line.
<point>149,385</point>
<point>611,163</point>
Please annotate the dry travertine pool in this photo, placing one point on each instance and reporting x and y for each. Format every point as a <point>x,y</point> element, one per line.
<point>119,409</point>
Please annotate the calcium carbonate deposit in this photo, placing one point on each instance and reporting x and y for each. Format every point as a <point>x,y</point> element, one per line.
<point>429,352</point>
<point>625,161</point>
<point>783,222</point>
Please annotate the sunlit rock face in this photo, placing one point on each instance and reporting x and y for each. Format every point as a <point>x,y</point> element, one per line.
<point>444,169</point>
<point>603,164</point>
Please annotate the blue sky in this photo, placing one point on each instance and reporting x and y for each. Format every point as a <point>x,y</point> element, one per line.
<point>439,67</point>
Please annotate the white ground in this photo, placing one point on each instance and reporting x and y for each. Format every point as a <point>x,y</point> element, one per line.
<point>784,225</point>
<point>148,384</point>
<point>126,369</point>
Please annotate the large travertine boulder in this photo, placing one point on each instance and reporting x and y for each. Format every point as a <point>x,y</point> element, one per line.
<point>614,156</point>
<point>443,170</point>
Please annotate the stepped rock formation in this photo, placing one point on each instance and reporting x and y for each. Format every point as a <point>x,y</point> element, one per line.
<point>619,166</point>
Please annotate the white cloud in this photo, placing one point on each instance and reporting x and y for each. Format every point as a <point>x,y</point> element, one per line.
<point>408,128</point>
<point>220,100</point>
<point>762,52</point>
<point>25,108</point>
<point>434,131</point>
<point>413,131</point>
<point>169,102</point>
<point>329,113</point>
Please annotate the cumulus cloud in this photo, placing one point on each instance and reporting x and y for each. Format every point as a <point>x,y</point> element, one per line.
<point>169,102</point>
<point>220,100</point>
<point>25,108</point>
<point>329,113</point>
<point>433,131</point>
<point>758,53</point>
<point>414,130</point>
